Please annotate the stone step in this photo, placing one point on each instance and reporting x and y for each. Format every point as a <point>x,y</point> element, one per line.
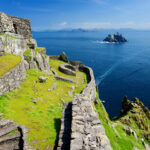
<point>9,137</point>
<point>7,129</point>
<point>4,122</point>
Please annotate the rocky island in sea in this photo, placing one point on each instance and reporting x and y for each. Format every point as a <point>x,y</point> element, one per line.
<point>115,38</point>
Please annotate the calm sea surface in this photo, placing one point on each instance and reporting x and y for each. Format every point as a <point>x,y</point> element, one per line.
<point>119,69</point>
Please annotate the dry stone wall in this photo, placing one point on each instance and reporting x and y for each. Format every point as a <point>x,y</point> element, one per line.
<point>15,25</point>
<point>87,131</point>
<point>12,79</point>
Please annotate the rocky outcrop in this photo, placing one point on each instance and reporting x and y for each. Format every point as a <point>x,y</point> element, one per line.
<point>87,131</point>
<point>116,38</point>
<point>63,57</point>
<point>36,60</point>
<point>13,136</point>
<point>12,79</point>
<point>126,105</point>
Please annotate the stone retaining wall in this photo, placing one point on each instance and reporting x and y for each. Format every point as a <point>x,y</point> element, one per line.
<point>87,132</point>
<point>12,79</point>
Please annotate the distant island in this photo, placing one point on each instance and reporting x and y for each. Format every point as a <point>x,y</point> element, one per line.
<point>115,38</point>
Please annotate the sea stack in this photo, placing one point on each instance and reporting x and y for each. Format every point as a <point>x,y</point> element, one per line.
<point>115,38</point>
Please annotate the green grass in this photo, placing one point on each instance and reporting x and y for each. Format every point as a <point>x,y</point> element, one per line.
<point>55,65</point>
<point>7,62</point>
<point>27,53</point>
<point>42,118</point>
<point>121,141</point>
<point>40,50</point>
<point>7,35</point>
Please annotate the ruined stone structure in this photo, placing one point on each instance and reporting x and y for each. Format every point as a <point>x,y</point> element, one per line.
<point>80,125</point>
<point>15,25</point>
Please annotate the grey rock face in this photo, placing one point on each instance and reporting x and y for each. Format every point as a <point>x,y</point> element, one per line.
<point>37,61</point>
<point>117,38</point>
<point>12,79</point>
<point>12,44</point>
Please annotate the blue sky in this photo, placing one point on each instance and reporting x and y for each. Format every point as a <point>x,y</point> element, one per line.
<point>87,14</point>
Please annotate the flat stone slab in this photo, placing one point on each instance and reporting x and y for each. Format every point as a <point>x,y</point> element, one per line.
<point>64,79</point>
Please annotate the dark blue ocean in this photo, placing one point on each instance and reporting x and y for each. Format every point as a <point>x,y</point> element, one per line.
<point>119,69</point>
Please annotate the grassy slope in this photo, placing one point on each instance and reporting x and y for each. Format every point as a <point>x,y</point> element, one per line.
<point>121,141</point>
<point>43,118</point>
<point>8,62</point>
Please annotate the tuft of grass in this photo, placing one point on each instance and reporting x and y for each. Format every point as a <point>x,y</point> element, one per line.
<point>13,132</point>
<point>27,54</point>
<point>7,62</point>
<point>8,36</point>
<point>40,50</point>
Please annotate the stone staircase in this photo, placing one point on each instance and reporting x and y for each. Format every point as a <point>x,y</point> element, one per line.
<point>10,136</point>
<point>13,136</point>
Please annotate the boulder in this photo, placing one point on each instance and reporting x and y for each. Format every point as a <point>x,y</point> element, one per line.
<point>63,57</point>
<point>42,79</point>
<point>115,38</point>
<point>34,100</point>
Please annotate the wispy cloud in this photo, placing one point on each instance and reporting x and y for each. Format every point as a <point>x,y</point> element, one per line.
<point>104,25</point>
<point>63,23</point>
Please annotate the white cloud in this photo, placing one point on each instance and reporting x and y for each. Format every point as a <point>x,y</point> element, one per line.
<point>63,23</point>
<point>102,25</point>
<point>94,25</point>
